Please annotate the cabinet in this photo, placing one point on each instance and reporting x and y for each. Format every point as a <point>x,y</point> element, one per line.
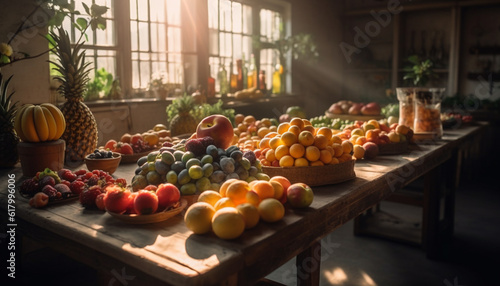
<point>374,68</point>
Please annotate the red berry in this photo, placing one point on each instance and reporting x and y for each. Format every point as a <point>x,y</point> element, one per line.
<point>77,187</point>
<point>121,182</point>
<point>88,197</point>
<point>81,172</point>
<point>29,187</point>
<point>93,180</point>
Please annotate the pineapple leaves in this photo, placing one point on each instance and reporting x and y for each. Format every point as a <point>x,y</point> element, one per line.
<point>5,100</point>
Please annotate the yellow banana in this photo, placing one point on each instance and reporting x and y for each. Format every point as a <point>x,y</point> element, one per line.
<point>58,117</point>
<point>28,125</point>
<point>51,122</point>
<point>18,120</point>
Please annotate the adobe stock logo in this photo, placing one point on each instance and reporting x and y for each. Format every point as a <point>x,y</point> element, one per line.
<point>372,29</point>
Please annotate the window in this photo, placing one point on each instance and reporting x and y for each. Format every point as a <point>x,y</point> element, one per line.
<point>151,39</point>
<point>233,28</point>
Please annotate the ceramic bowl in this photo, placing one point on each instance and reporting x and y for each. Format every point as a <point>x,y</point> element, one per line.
<point>106,164</point>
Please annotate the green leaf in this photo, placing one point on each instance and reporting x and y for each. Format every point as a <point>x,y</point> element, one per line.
<point>82,24</point>
<point>97,10</point>
<point>87,10</point>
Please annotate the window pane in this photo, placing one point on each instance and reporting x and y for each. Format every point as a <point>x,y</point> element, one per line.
<point>237,48</point>
<point>236,18</point>
<point>214,42</point>
<point>134,36</point>
<point>247,19</point>
<point>174,12</point>
<point>225,15</point>
<point>142,7</point>
<point>225,45</point>
<point>174,39</point>
<point>133,9</point>
<point>143,37</point>
<point>213,14</point>
<point>105,37</point>
<point>157,10</point>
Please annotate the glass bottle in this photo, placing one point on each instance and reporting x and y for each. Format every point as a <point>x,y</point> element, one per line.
<point>428,111</point>
<point>210,84</point>
<point>262,82</point>
<point>239,78</point>
<point>233,78</point>
<point>406,97</point>
<point>252,73</point>
<point>277,80</point>
<point>244,72</point>
<point>223,81</point>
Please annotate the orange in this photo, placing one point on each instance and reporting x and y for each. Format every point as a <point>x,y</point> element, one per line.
<point>347,146</point>
<point>286,161</point>
<point>270,155</point>
<point>326,131</point>
<point>271,134</point>
<point>273,128</point>
<point>283,127</point>
<point>198,217</point>
<point>338,150</point>
<point>297,150</point>
<point>249,119</point>
<point>309,128</point>
<point>264,143</point>
<point>228,223</point>
<point>295,130</point>
<point>353,138</point>
<point>237,191</point>
<point>264,189</point>
<point>301,162</point>
<point>361,140</point>
<point>223,203</point>
<point>345,158</point>
<point>282,180</point>
<point>334,161</point>
<point>374,123</point>
<point>297,121</point>
<point>312,153</point>
<point>223,187</point>
<point>210,197</point>
<point>336,139</point>
<point>279,190</point>
<point>359,151</point>
<point>250,214</point>
<point>306,138</point>
<point>275,142</point>
<point>317,163</point>
<point>266,122</point>
<point>271,210</point>
<point>288,138</point>
<point>238,118</point>
<point>325,156</point>
<point>252,197</point>
<point>320,141</point>
<point>306,122</point>
<point>262,132</point>
<point>281,151</point>
<point>358,131</point>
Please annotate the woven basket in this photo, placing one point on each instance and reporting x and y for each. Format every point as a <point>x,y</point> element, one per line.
<point>315,175</point>
<point>393,148</point>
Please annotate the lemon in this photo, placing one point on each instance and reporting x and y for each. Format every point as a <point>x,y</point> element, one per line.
<point>271,210</point>
<point>250,214</point>
<point>198,217</point>
<point>228,223</point>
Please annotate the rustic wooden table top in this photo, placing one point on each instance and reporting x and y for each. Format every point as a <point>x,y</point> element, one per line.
<point>169,252</point>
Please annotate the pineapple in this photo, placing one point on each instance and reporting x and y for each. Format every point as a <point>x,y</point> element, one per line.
<point>81,127</point>
<point>8,137</point>
<point>183,122</point>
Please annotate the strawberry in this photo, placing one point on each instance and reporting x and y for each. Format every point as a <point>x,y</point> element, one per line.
<point>67,175</point>
<point>88,197</point>
<point>121,182</point>
<point>77,187</point>
<point>116,199</point>
<point>29,187</point>
<point>81,172</point>
<point>93,180</point>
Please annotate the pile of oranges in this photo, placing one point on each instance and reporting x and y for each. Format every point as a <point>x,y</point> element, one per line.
<point>238,205</point>
<point>298,143</point>
<point>249,131</point>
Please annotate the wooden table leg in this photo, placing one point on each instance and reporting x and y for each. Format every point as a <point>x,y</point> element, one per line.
<point>430,213</point>
<point>308,265</point>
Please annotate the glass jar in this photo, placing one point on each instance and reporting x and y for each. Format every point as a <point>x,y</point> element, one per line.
<point>406,97</point>
<point>428,111</point>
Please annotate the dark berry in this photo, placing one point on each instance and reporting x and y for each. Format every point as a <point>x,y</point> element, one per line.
<point>50,191</point>
<point>195,146</point>
<point>47,180</point>
<point>250,155</point>
<point>92,181</point>
<point>29,187</point>
<point>63,189</point>
<point>207,140</point>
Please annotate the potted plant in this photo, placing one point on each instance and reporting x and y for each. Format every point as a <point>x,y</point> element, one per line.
<point>100,86</point>
<point>158,86</point>
<point>420,105</point>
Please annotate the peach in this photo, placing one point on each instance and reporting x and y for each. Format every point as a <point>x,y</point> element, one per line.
<point>371,150</point>
<point>217,126</point>
<point>168,194</point>
<point>299,195</point>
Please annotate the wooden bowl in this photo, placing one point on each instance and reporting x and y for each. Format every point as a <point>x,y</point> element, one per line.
<point>106,164</point>
<point>151,218</point>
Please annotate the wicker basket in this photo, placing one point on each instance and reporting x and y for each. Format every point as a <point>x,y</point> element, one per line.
<point>315,175</point>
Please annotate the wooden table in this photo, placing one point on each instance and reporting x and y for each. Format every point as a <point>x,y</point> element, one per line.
<point>169,252</point>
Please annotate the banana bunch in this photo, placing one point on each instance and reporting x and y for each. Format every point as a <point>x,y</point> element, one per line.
<point>39,123</point>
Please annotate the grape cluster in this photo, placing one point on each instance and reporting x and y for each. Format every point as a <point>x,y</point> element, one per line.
<point>199,167</point>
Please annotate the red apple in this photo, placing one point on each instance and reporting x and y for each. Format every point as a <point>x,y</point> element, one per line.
<point>299,195</point>
<point>116,199</point>
<point>371,108</point>
<point>146,202</point>
<point>336,108</point>
<point>219,127</point>
<point>168,194</point>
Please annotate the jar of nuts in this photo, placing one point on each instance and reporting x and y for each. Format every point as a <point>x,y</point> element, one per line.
<point>406,97</point>
<point>428,111</point>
